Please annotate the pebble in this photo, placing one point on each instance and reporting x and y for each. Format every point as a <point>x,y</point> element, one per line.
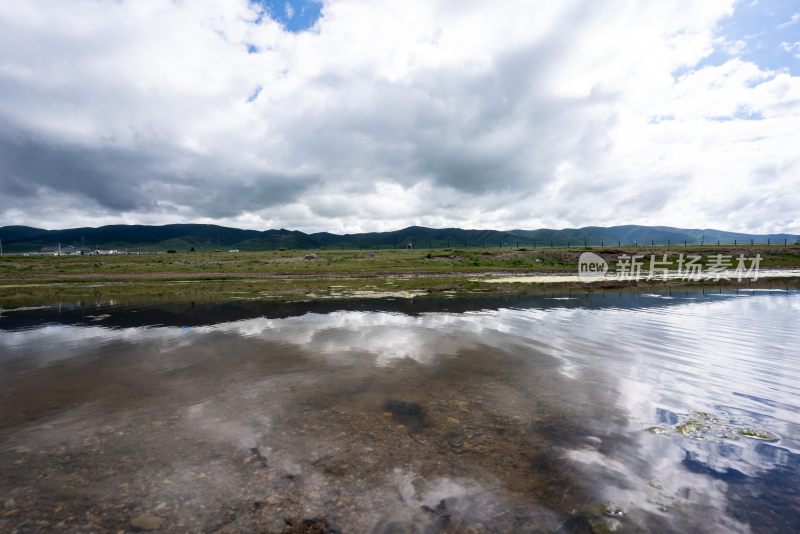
<point>146,522</point>
<point>612,510</point>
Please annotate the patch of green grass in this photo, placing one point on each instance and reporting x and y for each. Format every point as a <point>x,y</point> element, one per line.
<point>351,261</point>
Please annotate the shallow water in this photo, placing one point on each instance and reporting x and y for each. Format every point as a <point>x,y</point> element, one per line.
<point>644,275</point>
<point>489,414</point>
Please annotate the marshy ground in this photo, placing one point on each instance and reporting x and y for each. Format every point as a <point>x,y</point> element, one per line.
<point>294,274</point>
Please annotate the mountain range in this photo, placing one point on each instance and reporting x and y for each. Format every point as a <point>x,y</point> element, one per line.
<point>182,237</point>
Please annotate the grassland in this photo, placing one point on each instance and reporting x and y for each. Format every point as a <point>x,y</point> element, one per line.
<point>293,274</point>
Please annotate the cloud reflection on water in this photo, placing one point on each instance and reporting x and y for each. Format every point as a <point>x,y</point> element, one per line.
<point>619,370</point>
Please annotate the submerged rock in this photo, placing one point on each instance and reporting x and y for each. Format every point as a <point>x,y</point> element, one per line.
<point>310,526</point>
<point>255,453</point>
<point>588,523</point>
<point>409,414</point>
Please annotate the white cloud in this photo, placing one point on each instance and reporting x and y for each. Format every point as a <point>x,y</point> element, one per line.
<point>792,48</point>
<point>446,113</point>
<point>794,19</point>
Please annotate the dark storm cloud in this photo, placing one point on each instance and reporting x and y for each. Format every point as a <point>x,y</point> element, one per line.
<point>212,197</point>
<point>123,179</point>
<point>110,177</point>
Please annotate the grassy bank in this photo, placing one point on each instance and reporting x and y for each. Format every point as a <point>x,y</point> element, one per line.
<point>28,280</point>
<point>324,262</point>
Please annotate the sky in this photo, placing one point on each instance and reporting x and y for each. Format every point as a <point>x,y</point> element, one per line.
<point>372,115</point>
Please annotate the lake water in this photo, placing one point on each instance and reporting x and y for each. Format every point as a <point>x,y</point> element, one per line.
<point>571,413</point>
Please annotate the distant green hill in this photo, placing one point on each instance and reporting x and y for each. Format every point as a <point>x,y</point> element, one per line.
<point>645,235</point>
<point>211,237</point>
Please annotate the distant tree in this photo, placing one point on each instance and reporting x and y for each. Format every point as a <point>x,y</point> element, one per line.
<point>170,251</point>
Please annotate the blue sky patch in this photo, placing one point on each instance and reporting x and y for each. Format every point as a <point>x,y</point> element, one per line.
<point>294,15</point>
<point>762,31</point>
<point>255,93</point>
<point>741,114</point>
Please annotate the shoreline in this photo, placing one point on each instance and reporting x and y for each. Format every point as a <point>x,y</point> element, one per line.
<point>349,286</point>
